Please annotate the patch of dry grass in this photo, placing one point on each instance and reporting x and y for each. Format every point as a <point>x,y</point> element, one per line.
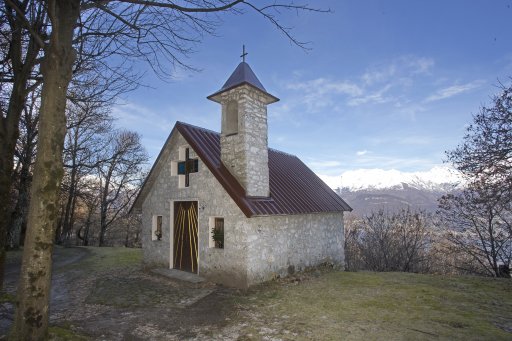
<point>378,306</point>
<point>112,258</point>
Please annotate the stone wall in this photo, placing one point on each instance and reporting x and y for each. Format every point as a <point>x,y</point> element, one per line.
<point>255,249</point>
<point>280,245</point>
<point>246,152</point>
<point>226,265</point>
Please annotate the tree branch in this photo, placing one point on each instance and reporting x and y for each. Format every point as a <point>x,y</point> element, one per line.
<point>26,23</point>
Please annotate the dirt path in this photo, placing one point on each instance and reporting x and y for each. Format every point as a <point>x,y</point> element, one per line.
<point>62,257</point>
<point>94,296</point>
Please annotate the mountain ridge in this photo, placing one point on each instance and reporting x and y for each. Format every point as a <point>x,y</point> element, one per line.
<point>370,190</point>
<point>437,179</point>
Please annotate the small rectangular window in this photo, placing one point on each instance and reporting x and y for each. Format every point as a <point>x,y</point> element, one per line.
<point>216,232</point>
<point>156,229</point>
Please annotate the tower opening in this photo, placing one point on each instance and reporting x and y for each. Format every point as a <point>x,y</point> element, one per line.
<point>230,124</point>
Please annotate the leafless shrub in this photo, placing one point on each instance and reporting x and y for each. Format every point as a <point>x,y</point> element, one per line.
<point>382,241</point>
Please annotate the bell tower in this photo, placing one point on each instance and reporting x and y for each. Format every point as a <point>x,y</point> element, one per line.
<point>243,139</point>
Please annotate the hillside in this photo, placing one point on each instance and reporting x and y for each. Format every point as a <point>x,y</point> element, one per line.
<point>367,190</point>
<point>367,200</point>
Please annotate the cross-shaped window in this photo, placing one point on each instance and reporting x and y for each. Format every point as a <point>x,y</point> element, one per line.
<point>187,166</point>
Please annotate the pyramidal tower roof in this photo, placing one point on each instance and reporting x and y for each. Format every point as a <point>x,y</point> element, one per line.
<point>243,74</point>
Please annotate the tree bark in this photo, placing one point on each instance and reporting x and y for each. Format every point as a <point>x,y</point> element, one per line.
<point>9,132</point>
<point>19,215</point>
<point>104,203</point>
<point>31,319</point>
<point>67,223</point>
<point>23,59</point>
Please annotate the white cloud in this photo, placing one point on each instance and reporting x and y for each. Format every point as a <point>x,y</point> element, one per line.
<point>322,86</point>
<point>420,65</point>
<point>380,74</point>
<point>380,83</point>
<point>453,91</point>
<point>401,68</point>
<point>139,118</point>
<point>362,152</point>
<point>408,110</point>
<point>319,93</point>
<point>375,97</point>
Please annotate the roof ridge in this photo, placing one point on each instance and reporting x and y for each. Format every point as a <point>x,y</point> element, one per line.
<point>197,127</point>
<point>288,177</point>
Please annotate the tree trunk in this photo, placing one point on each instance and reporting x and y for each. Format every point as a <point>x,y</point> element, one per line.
<point>103,231</point>
<point>31,319</point>
<point>85,229</point>
<point>23,59</point>
<point>9,132</point>
<point>19,216</point>
<point>68,212</point>
<point>6,165</point>
<point>104,204</point>
<point>72,218</point>
<point>127,237</point>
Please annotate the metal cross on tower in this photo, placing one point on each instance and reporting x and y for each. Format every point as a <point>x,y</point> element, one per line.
<point>243,53</point>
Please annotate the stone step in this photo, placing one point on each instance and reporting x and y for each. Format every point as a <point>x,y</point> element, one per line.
<point>179,275</point>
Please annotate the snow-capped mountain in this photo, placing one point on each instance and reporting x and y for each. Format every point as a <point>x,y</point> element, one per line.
<point>367,190</point>
<point>438,179</point>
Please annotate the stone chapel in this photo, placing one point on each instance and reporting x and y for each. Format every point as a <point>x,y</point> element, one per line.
<point>230,209</point>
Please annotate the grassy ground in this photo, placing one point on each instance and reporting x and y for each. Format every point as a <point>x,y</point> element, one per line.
<point>106,259</point>
<point>107,295</point>
<point>380,306</point>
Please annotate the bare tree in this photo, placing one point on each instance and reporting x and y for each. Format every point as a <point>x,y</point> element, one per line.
<point>120,178</point>
<point>480,218</point>
<point>24,154</point>
<point>485,154</point>
<point>478,224</point>
<point>87,136</point>
<point>90,200</point>
<point>146,28</point>
<point>24,27</point>
<point>23,30</point>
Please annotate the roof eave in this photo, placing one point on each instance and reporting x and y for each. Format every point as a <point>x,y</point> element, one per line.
<point>217,98</point>
<point>221,173</point>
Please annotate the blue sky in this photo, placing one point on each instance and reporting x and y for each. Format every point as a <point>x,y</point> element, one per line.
<point>386,84</point>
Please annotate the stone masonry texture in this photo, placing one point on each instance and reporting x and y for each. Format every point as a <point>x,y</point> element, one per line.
<point>246,153</point>
<point>255,249</point>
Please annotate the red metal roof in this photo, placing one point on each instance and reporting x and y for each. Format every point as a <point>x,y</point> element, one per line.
<point>294,188</point>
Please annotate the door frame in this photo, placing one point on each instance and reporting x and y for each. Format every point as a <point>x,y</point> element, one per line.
<point>171,231</point>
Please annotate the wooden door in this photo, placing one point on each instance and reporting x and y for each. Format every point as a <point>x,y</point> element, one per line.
<point>185,236</point>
